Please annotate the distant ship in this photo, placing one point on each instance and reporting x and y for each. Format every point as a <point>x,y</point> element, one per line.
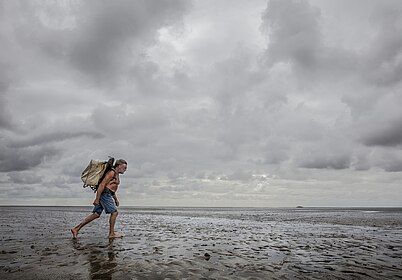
<point>299,206</point>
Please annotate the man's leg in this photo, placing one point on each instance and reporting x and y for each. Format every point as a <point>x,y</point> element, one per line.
<point>110,208</point>
<point>87,220</point>
<point>112,223</point>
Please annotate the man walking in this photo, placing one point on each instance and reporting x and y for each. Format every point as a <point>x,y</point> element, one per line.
<point>106,199</point>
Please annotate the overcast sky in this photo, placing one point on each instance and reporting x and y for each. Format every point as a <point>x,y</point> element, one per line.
<point>212,102</point>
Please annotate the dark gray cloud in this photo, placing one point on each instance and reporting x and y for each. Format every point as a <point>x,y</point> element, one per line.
<point>394,165</point>
<point>6,79</point>
<point>111,36</point>
<point>27,177</point>
<point>384,56</point>
<point>388,135</point>
<point>296,36</point>
<point>327,162</point>
<point>119,118</point>
<point>25,158</point>
<point>386,158</point>
<point>293,30</point>
<point>4,115</point>
<point>48,138</point>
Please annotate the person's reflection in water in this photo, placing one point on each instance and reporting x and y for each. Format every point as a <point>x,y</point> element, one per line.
<point>102,261</point>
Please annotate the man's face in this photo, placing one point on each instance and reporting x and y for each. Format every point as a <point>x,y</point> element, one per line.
<point>122,168</point>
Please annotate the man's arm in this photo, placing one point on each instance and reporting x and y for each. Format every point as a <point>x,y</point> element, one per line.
<point>116,200</point>
<point>102,186</point>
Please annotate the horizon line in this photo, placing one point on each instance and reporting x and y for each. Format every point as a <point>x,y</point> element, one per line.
<point>171,206</point>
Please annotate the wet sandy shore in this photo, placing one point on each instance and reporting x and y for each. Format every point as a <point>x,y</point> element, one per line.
<point>213,243</point>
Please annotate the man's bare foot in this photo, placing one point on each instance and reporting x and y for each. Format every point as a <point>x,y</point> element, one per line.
<point>75,233</point>
<point>116,235</point>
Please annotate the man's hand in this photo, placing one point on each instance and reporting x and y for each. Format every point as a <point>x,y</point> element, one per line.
<point>96,202</point>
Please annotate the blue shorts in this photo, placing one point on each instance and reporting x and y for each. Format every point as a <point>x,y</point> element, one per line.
<point>106,203</point>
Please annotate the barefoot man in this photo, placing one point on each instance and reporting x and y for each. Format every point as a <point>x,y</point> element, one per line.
<point>106,199</point>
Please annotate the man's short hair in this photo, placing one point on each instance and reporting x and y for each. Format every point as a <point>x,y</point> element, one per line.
<point>120,162</point>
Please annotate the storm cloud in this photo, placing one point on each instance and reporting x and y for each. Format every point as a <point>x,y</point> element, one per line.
<point>212,103</point>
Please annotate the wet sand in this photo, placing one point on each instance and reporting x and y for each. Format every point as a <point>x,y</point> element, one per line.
<point>212,243</point>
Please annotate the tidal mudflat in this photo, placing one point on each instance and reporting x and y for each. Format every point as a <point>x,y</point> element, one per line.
<point>203,243</point>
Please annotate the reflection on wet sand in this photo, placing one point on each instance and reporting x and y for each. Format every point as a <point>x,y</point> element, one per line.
<point>101,258</point>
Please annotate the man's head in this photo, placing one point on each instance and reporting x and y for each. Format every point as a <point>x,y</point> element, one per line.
<point>120,166</point>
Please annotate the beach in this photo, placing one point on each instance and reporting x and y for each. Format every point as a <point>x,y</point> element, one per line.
<point>203,243</point>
